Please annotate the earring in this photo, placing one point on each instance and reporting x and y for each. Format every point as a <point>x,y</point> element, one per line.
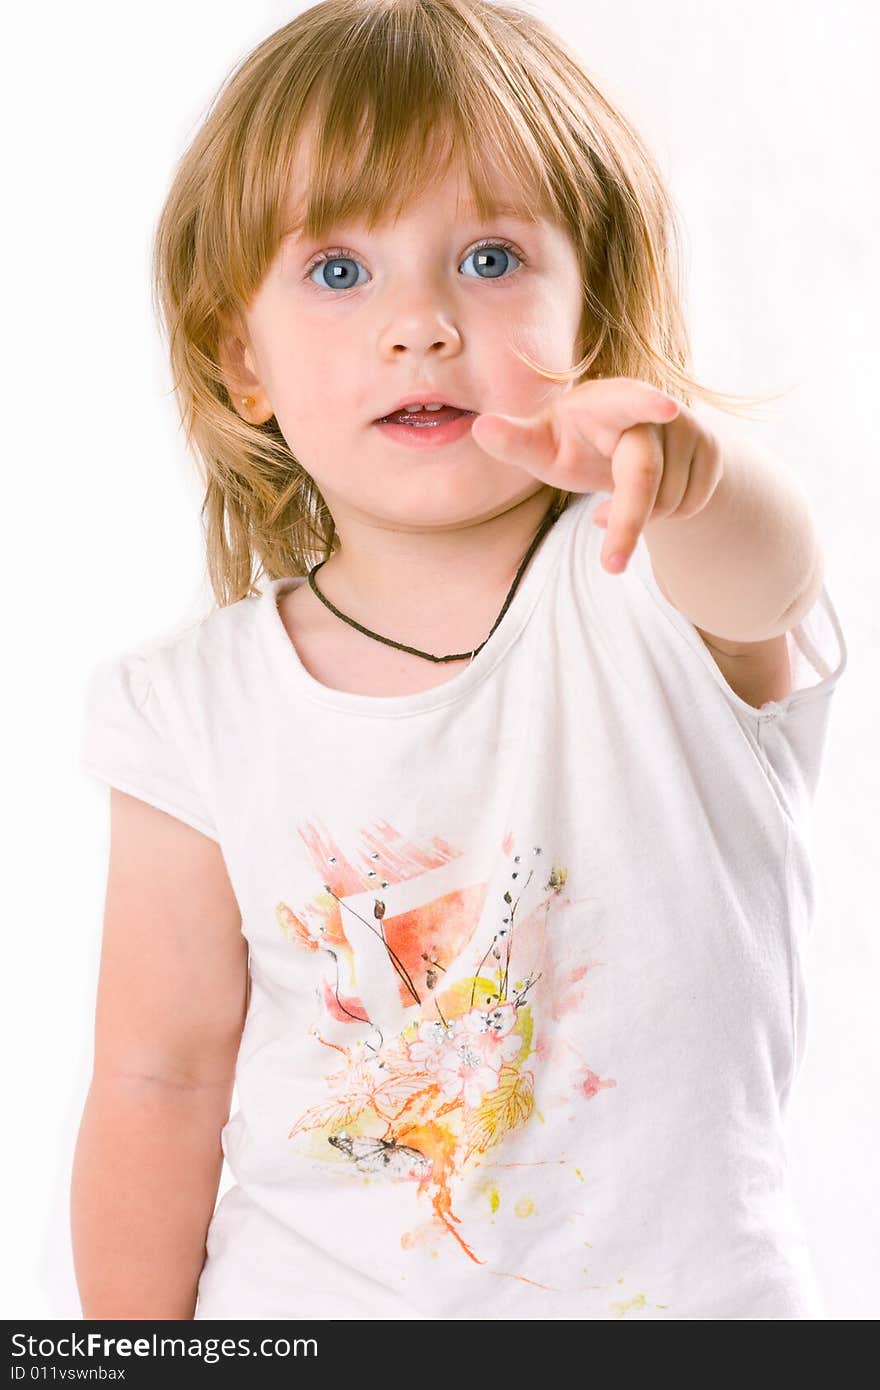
<point>247,401</point>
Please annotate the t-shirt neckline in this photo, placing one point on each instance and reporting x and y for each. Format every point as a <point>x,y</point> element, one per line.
<point>291,669</point>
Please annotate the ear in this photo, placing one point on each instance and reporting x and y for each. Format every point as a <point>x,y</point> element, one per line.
<point>236,363</point>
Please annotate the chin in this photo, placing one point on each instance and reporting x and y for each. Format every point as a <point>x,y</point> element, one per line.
<point>450,502</point>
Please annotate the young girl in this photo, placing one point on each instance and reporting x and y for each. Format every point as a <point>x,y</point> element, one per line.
<point>478,861</point>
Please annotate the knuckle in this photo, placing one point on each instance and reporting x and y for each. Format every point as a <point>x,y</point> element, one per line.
<point>647,469</point>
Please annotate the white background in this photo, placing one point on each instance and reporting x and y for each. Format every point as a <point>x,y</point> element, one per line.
<point>763,116</point>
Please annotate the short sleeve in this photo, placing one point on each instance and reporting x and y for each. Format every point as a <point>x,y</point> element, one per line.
<point>129,741</point>
<point>791,732</point>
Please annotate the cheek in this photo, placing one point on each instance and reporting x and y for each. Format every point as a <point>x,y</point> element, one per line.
<point>546,330</point>
<point>313,376</point>
<point>319,403</point>
<point>551,349</point>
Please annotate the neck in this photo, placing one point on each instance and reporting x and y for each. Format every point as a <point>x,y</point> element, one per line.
<point>425,586</point>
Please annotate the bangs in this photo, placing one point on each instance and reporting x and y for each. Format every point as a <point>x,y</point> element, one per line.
<point>361,169</point>
<point>396,106</point>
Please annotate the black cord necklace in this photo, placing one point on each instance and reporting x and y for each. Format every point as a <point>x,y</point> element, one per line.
<point>554,511</point>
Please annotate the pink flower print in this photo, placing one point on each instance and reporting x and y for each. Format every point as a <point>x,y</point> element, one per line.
<point>464,1071</point>
<point>430,1047</point>
<point>491,1032</point>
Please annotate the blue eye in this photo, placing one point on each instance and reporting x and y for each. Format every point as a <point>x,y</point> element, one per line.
<point>493,258</point>
<point>342,276</point>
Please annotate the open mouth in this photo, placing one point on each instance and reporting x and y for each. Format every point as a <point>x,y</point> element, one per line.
<point>426,432</point>
<point>424,419</point>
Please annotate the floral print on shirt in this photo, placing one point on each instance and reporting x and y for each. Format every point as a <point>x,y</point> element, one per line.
<point>428,1085</point>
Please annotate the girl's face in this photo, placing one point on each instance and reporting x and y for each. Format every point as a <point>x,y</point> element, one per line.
<point>411,309</point>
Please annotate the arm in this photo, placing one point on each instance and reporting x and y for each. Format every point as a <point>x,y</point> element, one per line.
<point>743,570</point>
<point>748,566</point>
<point>172,998</point>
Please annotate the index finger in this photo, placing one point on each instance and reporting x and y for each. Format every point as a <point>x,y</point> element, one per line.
<point>637,469</point>
<point>619,402</point>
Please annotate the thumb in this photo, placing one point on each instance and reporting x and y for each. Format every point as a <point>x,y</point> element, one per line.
<point>528,442</point>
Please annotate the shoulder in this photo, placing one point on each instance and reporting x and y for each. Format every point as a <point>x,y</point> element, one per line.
<point>186,673</point>
<point>206,640</point>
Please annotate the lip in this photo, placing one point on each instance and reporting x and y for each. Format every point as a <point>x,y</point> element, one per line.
<point>428,436</point>
<point>422,398</point>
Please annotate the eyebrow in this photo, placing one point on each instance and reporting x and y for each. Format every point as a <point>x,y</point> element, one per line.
<point>469,211</point>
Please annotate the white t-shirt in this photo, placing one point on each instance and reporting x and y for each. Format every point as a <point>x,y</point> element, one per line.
<point>527,994</point>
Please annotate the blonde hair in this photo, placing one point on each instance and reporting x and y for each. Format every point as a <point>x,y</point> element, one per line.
<point>385,78</point>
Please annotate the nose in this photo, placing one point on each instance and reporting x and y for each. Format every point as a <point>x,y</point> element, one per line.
<point>422,332</point>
